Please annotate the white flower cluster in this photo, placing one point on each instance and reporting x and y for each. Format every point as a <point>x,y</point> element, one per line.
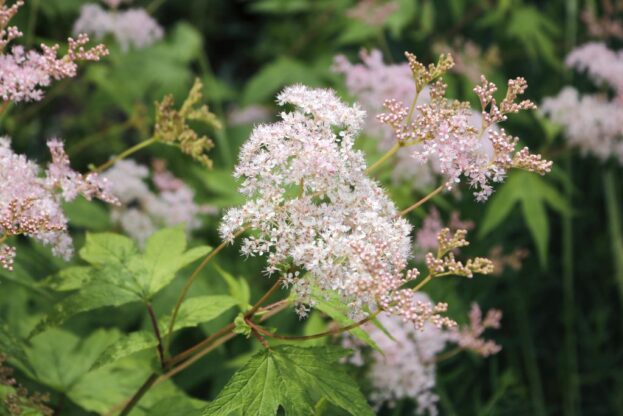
<point>312,207</point>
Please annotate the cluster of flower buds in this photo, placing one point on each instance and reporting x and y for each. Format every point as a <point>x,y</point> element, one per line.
<point>23,73</point>
<point>30,204</point>
<point>172,125</point>
<point>445,131</point>
<point>444,262</point>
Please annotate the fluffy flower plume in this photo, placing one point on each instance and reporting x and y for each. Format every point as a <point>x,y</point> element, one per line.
<point>406,368</point>
<point>143,210</point>
<point>131,28</point>
<point>24,73</point>
<point>593,122</point>
<point>444,130</point>
<point>312,207</point>
<point>30,204</point>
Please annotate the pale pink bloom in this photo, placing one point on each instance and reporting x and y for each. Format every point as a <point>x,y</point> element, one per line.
<point>406,367</point>
<point>470,337</point>
<point>592,123</point>
<point>131,28</point>
<point>600,63</point>
<point>312,206</point>
<point>373,12</point>
<point>249,115</point>
<point>30,204</point>
<point>426,238</point>
<point>143,210</point>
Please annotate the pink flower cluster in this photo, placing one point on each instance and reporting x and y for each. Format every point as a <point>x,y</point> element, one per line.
<point>130,28</point>
<point>143,210</point>
<point>445,131</point>
<point>372,82</point>
<point>312,207</point>
<point>426,238</point>
<point>592,122</point>
<point>406,369</point>
<point>23,73</point>
<point>30,204</point>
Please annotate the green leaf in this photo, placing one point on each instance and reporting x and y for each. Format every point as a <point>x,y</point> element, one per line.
<point>120,274</point>
<point>87,214</point>
<point>200,309</point>
<point>107,248</point>
<point>500,205</point>
<point>71,278</point>
<point>165,254</point>
<point>292,377</point>
<point>336,310</point>
<point>12,348</point>
<point>126,346</point>
<point>274,76</point>
<point>238,288</point>
<point>94,296</point>
<point>536,219</point>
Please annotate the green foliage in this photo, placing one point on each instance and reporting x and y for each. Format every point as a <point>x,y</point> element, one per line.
<point>120,274</point>
<point>291,377</point>
<point>533,194</point>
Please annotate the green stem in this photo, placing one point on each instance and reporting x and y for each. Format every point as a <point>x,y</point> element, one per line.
<point>154,324</point>
<point>189,283</point>
<point>125,154</point>
<point>421,201</point>
<point>613,208</point>
<point>423,283</point>
<point>139,394</point>
<point>571,357</point>
<point>315,336</point>
<point>383,158</point>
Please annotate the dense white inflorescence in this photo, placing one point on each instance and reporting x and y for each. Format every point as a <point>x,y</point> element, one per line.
<point>313,208</point>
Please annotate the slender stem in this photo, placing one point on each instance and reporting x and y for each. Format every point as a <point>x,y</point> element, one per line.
<point>206,342</point>
<point>4,106</point>
<point>154,323</point>
<point>93,138</point>
<point>384,158</point>
<point>447,354</point>
<point>256,331</point>
<point>423,282</point>
<point>154,6</point>
<point>216,341</point>
<point>320,335</point>
<point>421,201</point>
<point>412,109</point>
<point>264,298</point>
<point>190,281</point>
<point>614,219</point>
<point>139,394</point>
<point>125,154</point>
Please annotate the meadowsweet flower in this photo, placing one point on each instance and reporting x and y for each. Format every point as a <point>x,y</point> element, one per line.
<point>606,26</point>
<point>426,237</point>
<point>30,204</point>
<point>144,210</point>
<point>592,123</point>
<point>131,28</point>
<point>470,337</point>
<point>311,206</point>
<point>371,82</point>
<point>249,115</point>
<point>469,59</point>
<point>501,261</point>
<point>24,73</point>
<point>444,262</point>
<point>602,65</point>
<point>406,369</point>
<point>373,12</point>
<point>444,130</point>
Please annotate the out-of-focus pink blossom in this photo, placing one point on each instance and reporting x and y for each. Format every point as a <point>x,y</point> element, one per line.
<point>144,210</point>
<point>131,28</point>
<point>30,204</point>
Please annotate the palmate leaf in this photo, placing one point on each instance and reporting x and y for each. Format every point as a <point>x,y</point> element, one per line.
<point>194,311</point>
<point>119,273</point>
<point>293,378</point>
<point>532,193</point>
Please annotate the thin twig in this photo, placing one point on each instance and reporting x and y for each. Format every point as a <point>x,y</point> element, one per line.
<point>154,323</point>
<point>421,201</point>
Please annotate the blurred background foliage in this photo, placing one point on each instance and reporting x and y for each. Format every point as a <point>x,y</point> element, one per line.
<point>562,328</point>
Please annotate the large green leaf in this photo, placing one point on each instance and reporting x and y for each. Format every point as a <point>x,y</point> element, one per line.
<point>194,311</point>
<point>238,288</point>
<point>120,274</point>
<point>294,378</point>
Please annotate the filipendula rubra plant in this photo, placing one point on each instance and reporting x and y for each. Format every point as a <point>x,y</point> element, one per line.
<point>333,238</point>
<point>330,234</point>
